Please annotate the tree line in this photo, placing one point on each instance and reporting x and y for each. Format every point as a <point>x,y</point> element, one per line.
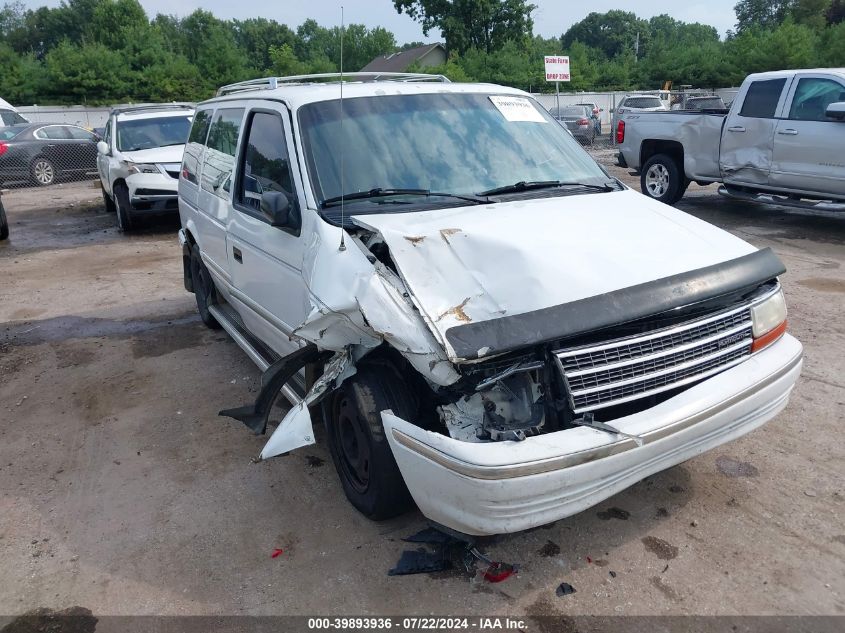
<point>109,51</point>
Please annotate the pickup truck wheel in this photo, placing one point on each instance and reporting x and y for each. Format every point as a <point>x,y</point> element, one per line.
<point>357,442</point>
<point>4,223</point>
<point>121,205</point>
<point>662,179</point>
<point>204,290</point>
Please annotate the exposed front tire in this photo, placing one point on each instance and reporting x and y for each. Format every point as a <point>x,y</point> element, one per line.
<point>359,448</point>
<point>43,172</point>
<point>4,223</point>
<point>108,203</point>
<point>122,208</point>
<point>204,290</point>
<point>663,179</point>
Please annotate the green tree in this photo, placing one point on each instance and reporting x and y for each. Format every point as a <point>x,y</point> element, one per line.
<point>113,20</point>
<point>613,33</point>
<point>87,73</point>
<point>485,25</point>
<point>256,36</point>
<point>766,14</point>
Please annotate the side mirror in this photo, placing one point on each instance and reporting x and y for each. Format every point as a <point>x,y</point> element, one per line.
<point>275,207</point>
<point>836,111</point>
<point>103,148</point>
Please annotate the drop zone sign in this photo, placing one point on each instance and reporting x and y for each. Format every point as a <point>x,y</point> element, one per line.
<point>557,67</point>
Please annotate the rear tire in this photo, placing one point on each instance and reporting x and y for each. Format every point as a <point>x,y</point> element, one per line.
<point>122,209</point>
<point>204,290</point>
<point>663,179</point>
<point>358,444</point>
<point>4,223</point>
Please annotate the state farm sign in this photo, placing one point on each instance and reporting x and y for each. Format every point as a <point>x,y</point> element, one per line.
<point>557,67</point>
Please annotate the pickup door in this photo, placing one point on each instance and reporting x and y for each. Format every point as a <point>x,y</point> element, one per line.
<point>745,156</point>
<point>809,148</point>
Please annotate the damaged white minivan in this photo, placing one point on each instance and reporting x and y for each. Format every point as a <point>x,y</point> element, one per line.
<point>488,324</point>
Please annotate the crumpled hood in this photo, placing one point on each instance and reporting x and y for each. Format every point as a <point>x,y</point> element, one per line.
<point>477,263</point>
<point>170,154</point>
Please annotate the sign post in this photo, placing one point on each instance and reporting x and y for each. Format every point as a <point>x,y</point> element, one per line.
<point>557,70</point>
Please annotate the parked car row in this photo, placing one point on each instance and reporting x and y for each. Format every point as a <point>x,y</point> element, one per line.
<point>42,153</point>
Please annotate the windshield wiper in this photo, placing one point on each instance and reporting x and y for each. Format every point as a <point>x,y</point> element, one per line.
<point>382,192</point>
<point>522,185</point>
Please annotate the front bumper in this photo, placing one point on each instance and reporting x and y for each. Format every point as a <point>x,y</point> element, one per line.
<point>155,193</point>
<point>502,487</point>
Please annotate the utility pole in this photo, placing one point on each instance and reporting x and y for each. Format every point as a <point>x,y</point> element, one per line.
<point>637,47</point>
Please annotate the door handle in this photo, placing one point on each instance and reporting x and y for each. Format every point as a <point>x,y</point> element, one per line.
<point>236,253</point>
<point>788,132</point>
<point>736,128</point>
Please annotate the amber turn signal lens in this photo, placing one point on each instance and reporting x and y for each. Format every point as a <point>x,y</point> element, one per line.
<point>768,338</point>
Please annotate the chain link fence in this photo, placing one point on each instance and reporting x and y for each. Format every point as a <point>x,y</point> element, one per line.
<point>44,154</point>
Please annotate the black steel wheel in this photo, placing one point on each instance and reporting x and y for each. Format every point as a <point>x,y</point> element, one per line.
<point>357,442</point>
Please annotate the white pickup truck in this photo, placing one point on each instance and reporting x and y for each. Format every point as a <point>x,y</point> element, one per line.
<point>781,142</point>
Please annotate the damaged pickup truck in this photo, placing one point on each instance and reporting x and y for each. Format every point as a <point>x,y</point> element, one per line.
<point>487,323</point>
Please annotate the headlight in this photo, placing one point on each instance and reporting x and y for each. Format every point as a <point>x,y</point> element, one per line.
<point>768,321</point>
<point>142,168</point>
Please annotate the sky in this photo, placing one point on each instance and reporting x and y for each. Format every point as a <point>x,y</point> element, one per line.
<point>551,18</point>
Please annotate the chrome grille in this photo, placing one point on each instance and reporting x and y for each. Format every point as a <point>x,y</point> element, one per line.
<point>626,369</point>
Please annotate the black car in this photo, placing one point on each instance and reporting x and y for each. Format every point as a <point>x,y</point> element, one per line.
<point>44,152</point>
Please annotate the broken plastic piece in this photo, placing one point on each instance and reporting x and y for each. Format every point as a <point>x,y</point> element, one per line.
<point>277,552</point>
<point>590,422</point>
<point>564,589</point>
<point>497,572</point>
<point>420,562</point>
<point>430,536</point>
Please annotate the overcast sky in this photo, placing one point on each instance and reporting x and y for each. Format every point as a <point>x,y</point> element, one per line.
<point>551,18</point>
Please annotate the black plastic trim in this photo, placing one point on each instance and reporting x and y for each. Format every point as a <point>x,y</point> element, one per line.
<point>509,333</point>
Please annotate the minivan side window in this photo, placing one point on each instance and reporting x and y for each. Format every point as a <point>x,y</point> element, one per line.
<point>812,96</point>
<point>265,167</point>
<point>761,100</point>
<point>219,158</point>
<point>194,147</point>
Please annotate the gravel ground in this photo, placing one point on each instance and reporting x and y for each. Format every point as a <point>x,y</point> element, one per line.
<point>123,492</point>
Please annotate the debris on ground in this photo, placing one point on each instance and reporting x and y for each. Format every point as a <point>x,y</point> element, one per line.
<point>449,552</point>
<point>564,589</point>
<point>277,552</point>
<point>612,573</point>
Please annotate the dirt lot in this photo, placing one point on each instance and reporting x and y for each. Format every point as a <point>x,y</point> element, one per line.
<point>122,491</point>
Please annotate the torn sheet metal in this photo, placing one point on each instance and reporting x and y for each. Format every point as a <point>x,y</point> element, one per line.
<point>358,302</point>
<point>479,263</point>
<point>296,428</point>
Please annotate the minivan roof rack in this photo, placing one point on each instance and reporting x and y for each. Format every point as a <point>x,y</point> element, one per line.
<point>271,83</point>
<point>149,107</point>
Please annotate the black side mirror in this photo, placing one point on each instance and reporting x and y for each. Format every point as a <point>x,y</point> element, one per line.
<point>276,207</point>
<point>836,111</point>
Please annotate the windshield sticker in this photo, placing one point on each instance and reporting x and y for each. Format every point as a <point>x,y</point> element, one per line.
<point>517,109</point>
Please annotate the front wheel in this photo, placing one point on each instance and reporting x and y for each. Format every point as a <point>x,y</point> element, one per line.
<point>357,442</point>
<point>122,208</point>
<point>108,203</point>
<point>662,179</point>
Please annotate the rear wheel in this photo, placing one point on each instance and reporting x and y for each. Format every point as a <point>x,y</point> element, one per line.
<point>359,448</point>
<point>4,224</point>
<point>43,172</point>
<point>663,179</point>
<point>204,290</point>
<point>122,209</point>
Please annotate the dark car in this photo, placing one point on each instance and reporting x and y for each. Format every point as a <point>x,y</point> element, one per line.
<point>578,119</point>
<point>44,152</point>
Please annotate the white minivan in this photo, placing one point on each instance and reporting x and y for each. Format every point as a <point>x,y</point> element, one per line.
<point>487,322</point>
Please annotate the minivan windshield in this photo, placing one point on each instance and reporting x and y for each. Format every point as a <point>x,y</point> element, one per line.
<point>138,134</point>
<point>455,143</point>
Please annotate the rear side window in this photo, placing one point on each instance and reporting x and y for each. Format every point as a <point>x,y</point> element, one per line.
<point>219,158</point>
<point>80,134</point>
<point>52,132</point>
<point>761,100</point>
<point>266,167</point>
<point>194,147</point>
<point>642,102</point>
